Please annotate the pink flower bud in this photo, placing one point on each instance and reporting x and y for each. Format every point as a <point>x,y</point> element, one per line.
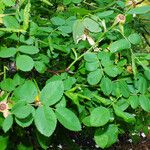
<point>120,19</point>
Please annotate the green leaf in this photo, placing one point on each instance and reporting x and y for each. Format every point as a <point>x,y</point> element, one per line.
<point>147,74</point>
<point>134,101</point>
<point>58,21</point>
<point>18,80</point>
<point>91,66</point>
<point>40,66</point>
<point>105,13</point>
<point>62,103</point>
<point>124,115</point>
<point>22,111</point>
<point>7,85</point>
<point>52,92</point>
<point>4,141</point>
<point>11,22</point>
<point>124,88</point>
<point>76,1</point>
<point>65,29</point>
<point>119,45</point>
<point>28,49</point>
<point>99,116</point>
<point>122,104</point>
<point>25,122</point>
<point>78,30</point>
<point>26,92</point>
<point>94,77</point>
<point>45,120</point>
<point>102,100</point>
<point>91,25</point>
<point>134,38</point>
<point>26,16</point>
<point>106,86</point>
<point>7,52</point>
<point>43,140</point>
<point>90,57</point>
<point>66,2</point>
<point>86,121</point>
<point>104,138</point>
<point>8,3</point>
<point>139,10</point>
<point>68,119</point>
<point>113,70</point>
<point>24,63</point>
<point>68,83</point>
<point>7,124</point>
<point>144,102</point>
<point>142,85</point>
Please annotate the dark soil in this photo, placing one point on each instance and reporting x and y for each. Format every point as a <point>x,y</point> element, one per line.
<point>80,141</point>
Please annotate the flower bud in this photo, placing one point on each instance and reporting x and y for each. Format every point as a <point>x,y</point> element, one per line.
<point>120,19</point>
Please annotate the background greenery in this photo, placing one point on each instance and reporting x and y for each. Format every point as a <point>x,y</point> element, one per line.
<point>72,65</point>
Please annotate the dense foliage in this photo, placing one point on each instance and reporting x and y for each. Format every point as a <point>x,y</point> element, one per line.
<point>74,64</point>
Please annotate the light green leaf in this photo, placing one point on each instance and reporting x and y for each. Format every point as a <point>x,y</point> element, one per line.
<point>24,63</point>
<point>124,88</point>
<point>26,92</point>
<point>28,49</point>
<point>7,85</point>
<point>22,111</point>
<point>11,22</point>
<point>91,25</point>
<point>26,16</point>
<point>7,124</point>
<point>94,77</point>
<point>124,115</point>
<point>68,119</point>
<point>134,101</point>
<point>68,83</point>
<point>104,138</point>
<point>119,45</point>
<point>113,70</point>
<point>66,2</point>
<point>105,13</point>
<point>78,30</point>
<point>134,38</point>
<point>90,57</point>
<point>91,66</point>
<point>45,120</point>
<point>40,66</point>
<point>139,10</point>
<point>76,1</point>
<point>102,100</point>
<point>52,92</point>
<point>99,116</point>
<point>144,102</point>
<point>9,3</point>
<point>18,80</point>
<point>7,52</point>
<point>25,122</point>
<point>58,21</point>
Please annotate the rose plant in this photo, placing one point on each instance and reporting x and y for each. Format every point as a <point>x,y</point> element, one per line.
<point>77,63</point>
